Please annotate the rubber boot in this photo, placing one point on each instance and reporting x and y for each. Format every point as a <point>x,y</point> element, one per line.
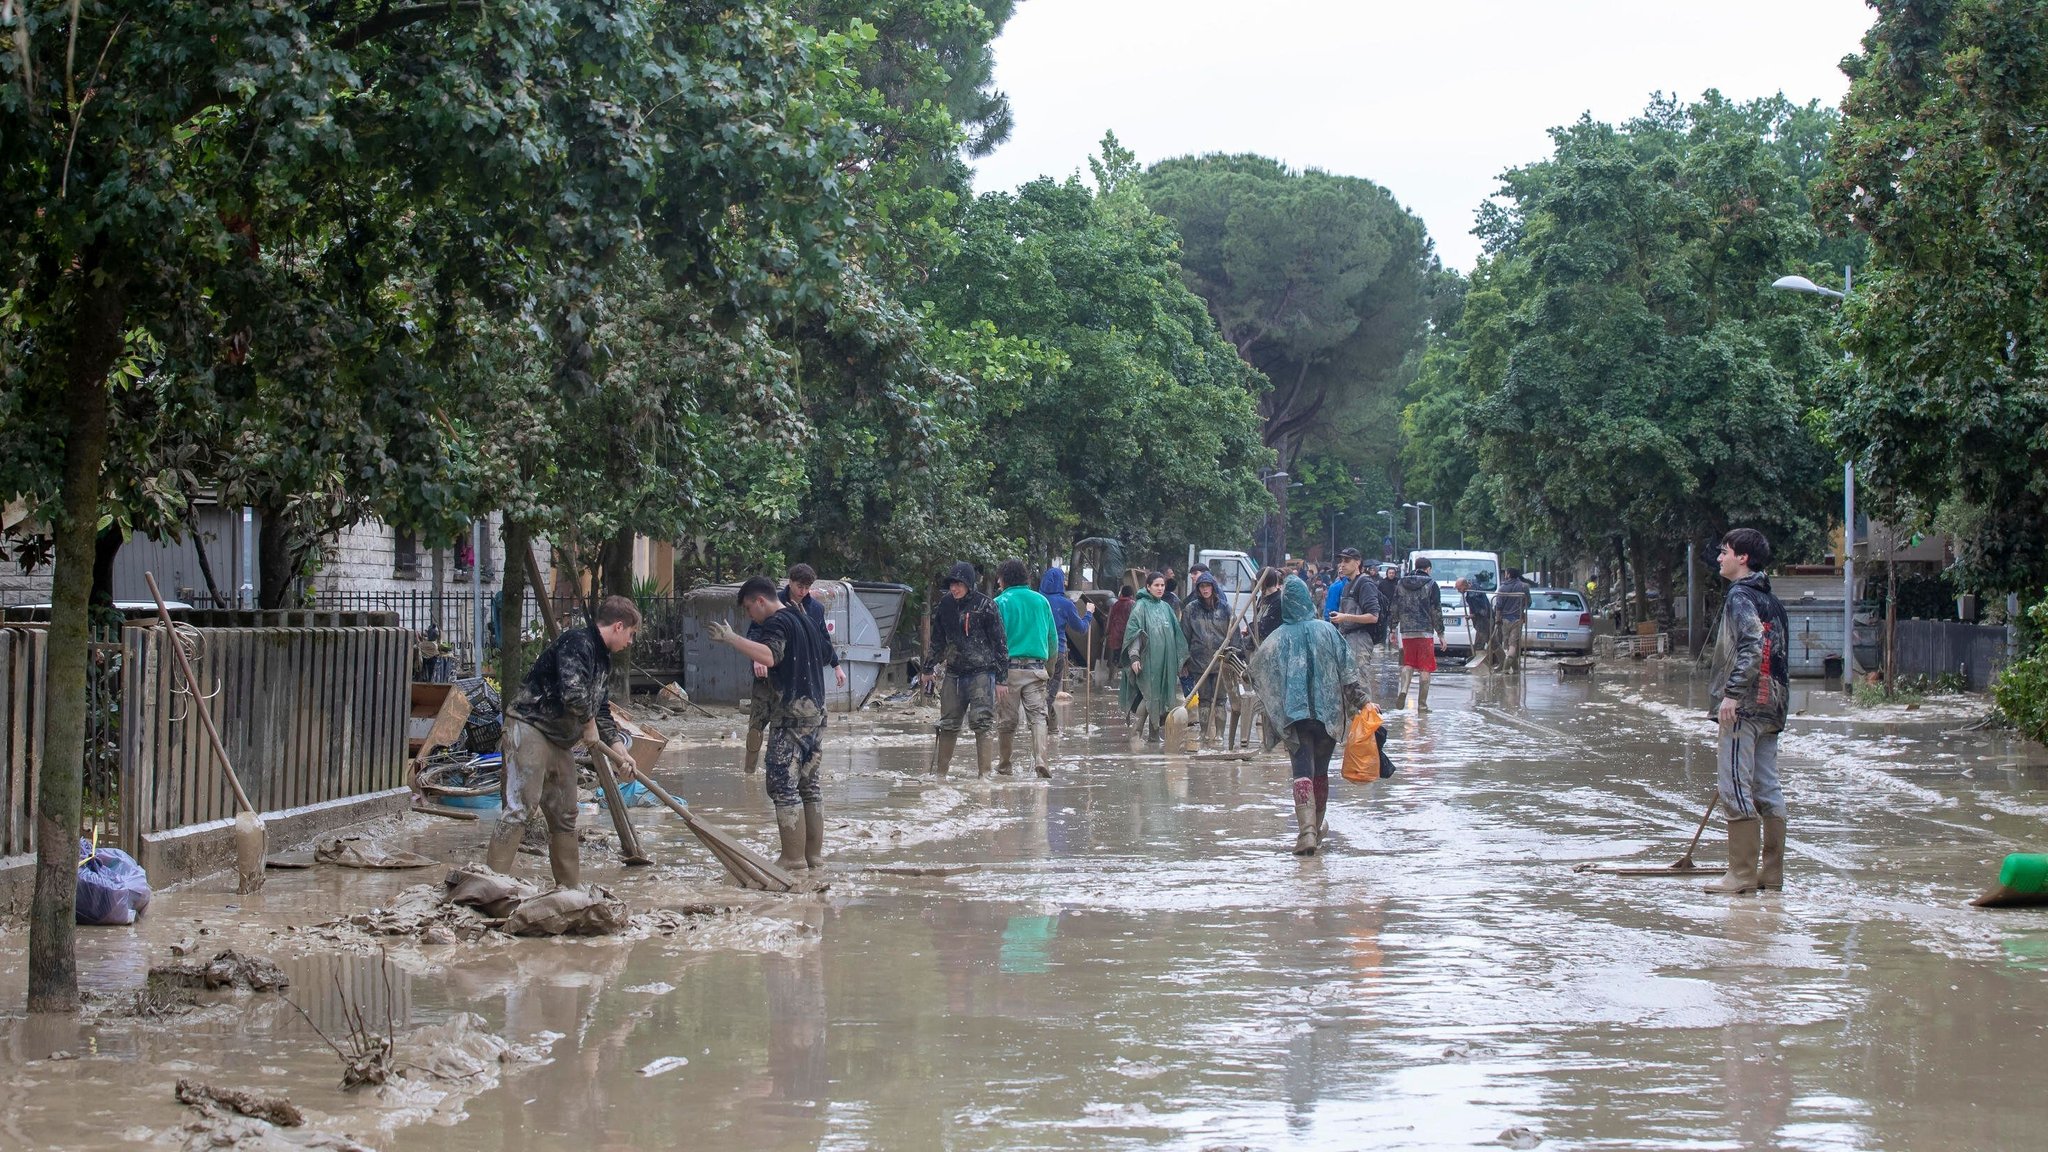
<point>565,859</point>
<point>1745,841</point>
<point>984,755</point>
<point>942,753</point>
<point>1401,698</point>
<point>503,849</point>
<point>1305,819</point>
<point>814,835</point>
<point>1771,873</point>
<point>1322,784</point>
<point>789,824</point>
<point>1005,744</point>
<point>754,738</point>
<point>1422,692</point>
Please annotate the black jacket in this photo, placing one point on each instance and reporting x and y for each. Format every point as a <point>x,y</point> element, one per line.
<point>967,633</point>
<point>568,686</point>
<point>815,613</point>
<point>1751,661</point>
<point>797,678</point>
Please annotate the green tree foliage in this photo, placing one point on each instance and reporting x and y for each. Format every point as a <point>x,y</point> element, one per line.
<point>1938,163</point>
<point>1320,281</point>
<point>1134,418</point>
<point>2022,689</point>
<point>1622,369</point>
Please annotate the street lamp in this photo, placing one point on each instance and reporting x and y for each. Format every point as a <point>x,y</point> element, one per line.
<point>1802,284</point>
<point>1419,505</point>
<point>1389,514</point>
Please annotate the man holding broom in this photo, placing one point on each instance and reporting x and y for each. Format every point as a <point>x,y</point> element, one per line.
<point>792,651</point>
<point>564,700</point>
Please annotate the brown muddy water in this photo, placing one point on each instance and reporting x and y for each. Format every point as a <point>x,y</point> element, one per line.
<point>1134,959</point>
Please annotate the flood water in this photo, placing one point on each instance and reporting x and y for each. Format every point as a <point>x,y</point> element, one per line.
<point>1129,957</point>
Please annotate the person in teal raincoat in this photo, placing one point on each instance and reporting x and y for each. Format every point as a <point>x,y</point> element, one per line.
<point>1154,652</point>
<point>1307,685</point>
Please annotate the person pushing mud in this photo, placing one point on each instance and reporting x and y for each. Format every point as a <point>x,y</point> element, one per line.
<point>564,700</point>
<point>792,649</point>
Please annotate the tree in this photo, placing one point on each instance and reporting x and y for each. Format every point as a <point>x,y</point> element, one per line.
<point>1320,281</point>
<point>1631,380</point>
<point>308,215</point>
<point>1944,400</point>
<point>1130,416</point>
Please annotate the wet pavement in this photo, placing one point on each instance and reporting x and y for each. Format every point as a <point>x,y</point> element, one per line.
<point>1129,957</point>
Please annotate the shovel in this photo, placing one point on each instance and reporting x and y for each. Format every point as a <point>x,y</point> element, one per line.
<point>629,840</point>
<point>1177,720</point>
<point>749,868</point>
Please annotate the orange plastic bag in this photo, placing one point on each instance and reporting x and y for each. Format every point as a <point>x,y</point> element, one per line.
<point>1361,751</point>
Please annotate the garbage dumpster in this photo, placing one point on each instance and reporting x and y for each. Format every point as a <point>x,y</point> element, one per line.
<point>859,615</point>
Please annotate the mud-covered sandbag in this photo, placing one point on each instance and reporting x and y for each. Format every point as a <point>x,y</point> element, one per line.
<point>590,911</point>
<point>360,852</point>
<point>112,887</point>
<point>228,969</point>
<point>492,893</point>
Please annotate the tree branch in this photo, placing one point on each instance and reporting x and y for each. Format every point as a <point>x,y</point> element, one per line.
<point>388,20</point>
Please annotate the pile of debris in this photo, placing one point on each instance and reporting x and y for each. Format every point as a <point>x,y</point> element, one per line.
<point>475,902</point>
<point>228,969</point>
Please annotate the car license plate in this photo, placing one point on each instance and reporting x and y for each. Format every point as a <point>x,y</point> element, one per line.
<point>1550,635</point>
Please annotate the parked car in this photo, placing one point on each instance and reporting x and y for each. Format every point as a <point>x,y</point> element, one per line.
<point>1558,622</point>
<point>1457,623</point>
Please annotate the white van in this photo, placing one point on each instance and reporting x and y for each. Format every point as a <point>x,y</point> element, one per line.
<point>1448,566</point>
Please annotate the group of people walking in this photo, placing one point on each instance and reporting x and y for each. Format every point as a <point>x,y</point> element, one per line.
<point>998,664</point>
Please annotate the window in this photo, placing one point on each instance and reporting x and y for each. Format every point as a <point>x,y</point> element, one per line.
<point>1542,601</point>
<point>405,555</point>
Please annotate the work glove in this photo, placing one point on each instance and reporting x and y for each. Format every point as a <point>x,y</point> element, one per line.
<point>720,632</point>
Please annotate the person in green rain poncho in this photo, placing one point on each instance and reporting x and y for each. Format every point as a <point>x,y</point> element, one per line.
<point>1154,651</point>
<point>1307,685</point>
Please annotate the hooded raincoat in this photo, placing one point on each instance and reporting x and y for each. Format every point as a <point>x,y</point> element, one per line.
<point>1206,627</point>
<point>1065,616</point>
<point>1153,637</point>
<point>1300,672</point>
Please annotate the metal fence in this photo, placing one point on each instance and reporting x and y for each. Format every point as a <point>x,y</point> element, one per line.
<point>1941,647</point>
<point>306,715</point>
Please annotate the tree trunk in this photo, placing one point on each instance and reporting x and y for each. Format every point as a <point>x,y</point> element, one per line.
<point>1635,559</point>
<point>512,608</point>
<point>95,344</point>
<point>274,567</point>
<point>105,546</point>
<point>617,562</point>
<point>199,550</point>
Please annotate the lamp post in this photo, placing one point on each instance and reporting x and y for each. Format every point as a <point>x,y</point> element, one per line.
<point>1802,284</point>
<point>1419,505</point>
<point>1416,508</point>
<point>1391,541</point>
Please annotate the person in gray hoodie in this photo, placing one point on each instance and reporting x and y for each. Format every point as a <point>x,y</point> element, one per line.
<point>1419,610</point>
<point>1751,680</point>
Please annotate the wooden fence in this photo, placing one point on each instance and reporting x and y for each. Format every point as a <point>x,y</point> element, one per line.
<point>21,735</point>
<point>1937,647</point>
<point>306,715</point>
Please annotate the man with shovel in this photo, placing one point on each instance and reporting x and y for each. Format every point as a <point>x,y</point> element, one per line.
<point>791,648</point>
<point>1751,679</point>
<point>563,701</point>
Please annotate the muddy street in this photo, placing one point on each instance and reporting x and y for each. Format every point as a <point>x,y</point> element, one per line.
<point>1129,957</point>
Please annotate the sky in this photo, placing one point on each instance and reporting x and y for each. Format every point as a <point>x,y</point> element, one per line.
<point>1432,99</point>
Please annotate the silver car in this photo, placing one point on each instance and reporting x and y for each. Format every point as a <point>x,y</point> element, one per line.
<point>1558,622</point>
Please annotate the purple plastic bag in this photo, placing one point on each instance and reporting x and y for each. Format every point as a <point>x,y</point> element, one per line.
<point>112,887</point>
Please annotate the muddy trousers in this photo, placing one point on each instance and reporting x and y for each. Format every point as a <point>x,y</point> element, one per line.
<point>537,775</point>
<point>1055,682</point>
<point>794,764</point>
<point>968,699</point>
<point>1024,705</point>
<point>1746,763</point>
<point>1510,632</point>
<point>1361,647</point>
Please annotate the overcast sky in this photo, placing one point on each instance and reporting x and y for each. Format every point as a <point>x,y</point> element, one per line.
<point>1431,98</point>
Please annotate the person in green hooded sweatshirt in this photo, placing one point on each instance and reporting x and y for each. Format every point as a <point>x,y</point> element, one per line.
<point>1029,630</point>
<point>1154,651</point>
<point>1307,684</point>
